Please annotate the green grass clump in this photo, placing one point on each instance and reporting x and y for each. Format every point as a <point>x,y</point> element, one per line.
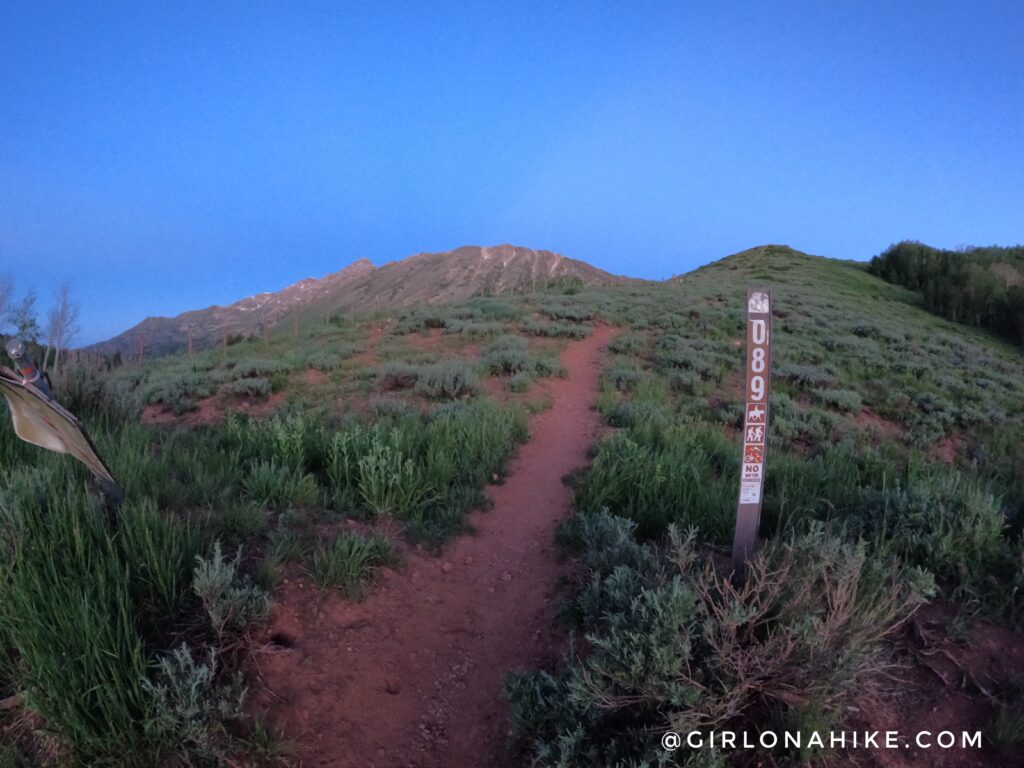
<point>160,550</point>
<point>68,606</point>
<point>280,485</point>
<point>624,377</point>
<point>349,561</point>
<point>88,601</point>
<point>391,484</point>
<point>326,361</point>
<point>678,477</point>
<point>427,470</point>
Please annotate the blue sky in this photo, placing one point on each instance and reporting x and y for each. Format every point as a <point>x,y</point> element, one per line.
<point>164,159</point>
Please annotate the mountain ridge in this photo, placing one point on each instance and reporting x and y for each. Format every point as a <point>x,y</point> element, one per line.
<point>425,277</point>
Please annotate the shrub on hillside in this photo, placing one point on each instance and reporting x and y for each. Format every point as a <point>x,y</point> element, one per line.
<point>248,388</point>
<point>177,391</point>
<point>626,344</point>
<point>507,355</point>
<point>192,704</point>
<point>398,376</point>
<point>806,376</point>
<point>673,644</point>
<point>573,312</point>
<point>475,329</point>
<point>232,604</point>
<point>624,377</point>
<point>557,330</point>
<point>447,380</point>
<point>255,368</point>
<point>950,526</point>
<point>842,399</point>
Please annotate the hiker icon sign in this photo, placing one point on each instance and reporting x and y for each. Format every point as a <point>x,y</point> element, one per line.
<point>758,303</point>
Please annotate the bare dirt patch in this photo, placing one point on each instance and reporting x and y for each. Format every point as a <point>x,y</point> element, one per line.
<point>368,357</point>
<point>413,676</point>
<point>952,446</point>
<point>313,377</point>
<point>211,410</point>
<point>870,421</point>
<point>952,687</point>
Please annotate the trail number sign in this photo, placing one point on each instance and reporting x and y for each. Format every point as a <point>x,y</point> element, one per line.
<point>755,426</point>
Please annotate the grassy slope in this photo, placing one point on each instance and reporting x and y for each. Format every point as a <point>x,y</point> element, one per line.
<point>837,327</point>
<point>871,394</point>
<point>892,478</point>
<point>369,422</point>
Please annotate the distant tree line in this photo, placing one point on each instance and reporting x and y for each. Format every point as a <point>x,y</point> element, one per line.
<point>976,286</point>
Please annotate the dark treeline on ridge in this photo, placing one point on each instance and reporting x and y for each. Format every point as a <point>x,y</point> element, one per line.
<point>976,286</point>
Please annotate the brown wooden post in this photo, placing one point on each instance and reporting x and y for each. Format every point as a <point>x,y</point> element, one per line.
<point>755,427</point>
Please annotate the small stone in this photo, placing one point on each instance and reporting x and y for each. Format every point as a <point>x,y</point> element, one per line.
<point>392,686</point>
<point>447,567</point>
<point>468,561</point>
<point>506,576</point>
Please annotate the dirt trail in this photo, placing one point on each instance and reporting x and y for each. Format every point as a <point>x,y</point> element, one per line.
<point>413,676</point>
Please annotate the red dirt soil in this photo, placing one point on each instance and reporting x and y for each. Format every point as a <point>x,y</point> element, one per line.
<point>949,688</point>
<point>413,676</point>
<point>211,410</point>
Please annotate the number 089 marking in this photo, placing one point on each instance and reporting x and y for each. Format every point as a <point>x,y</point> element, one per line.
<point>759,335</point>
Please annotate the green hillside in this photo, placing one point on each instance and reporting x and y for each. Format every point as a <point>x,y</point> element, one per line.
<point>892,479</point>
<point>328,449</point>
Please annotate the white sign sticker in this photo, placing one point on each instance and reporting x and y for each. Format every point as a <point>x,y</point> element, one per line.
<point>750,491</point>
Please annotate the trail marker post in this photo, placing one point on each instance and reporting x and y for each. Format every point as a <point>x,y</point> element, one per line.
<point>755,427</point>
